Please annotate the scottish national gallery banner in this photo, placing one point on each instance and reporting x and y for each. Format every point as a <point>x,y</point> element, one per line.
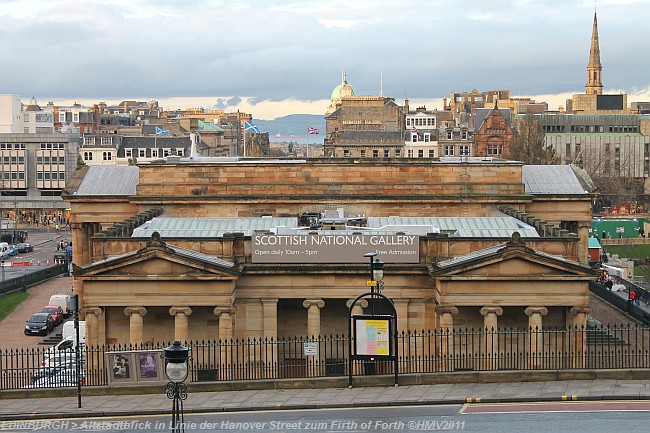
<point>334,248</point>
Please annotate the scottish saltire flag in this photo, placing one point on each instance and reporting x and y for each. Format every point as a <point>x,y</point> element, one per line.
<point>250,127</point>
<point>311,130</point>
<point>161,131</point>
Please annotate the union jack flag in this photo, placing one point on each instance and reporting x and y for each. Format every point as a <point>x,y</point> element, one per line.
<point>311,130</point>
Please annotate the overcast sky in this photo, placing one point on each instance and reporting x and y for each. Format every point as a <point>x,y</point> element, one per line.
<point>276,57</point>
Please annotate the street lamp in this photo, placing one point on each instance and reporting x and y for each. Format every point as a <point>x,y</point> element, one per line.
<point>176,371</point>
<point>376,276</point>
<point>2,262</point>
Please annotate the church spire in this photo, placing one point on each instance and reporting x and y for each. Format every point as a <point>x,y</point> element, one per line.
<point>594,68</point>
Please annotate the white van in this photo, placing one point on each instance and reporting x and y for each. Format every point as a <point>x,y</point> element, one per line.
<point>62,301</point>
<point>4,250</point>
<point>70,333</point>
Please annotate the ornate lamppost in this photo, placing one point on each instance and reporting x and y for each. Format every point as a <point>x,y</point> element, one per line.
<point>176,370</point>
<point>376,277</point>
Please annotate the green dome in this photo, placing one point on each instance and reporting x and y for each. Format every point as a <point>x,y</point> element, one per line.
<point>341,91</point>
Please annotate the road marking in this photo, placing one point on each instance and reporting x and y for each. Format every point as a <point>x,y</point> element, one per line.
<point>568,406</point>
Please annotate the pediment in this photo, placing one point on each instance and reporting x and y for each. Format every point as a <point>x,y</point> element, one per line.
<point>510,260</point>
<point>514,266</point>
<point>160,261</point>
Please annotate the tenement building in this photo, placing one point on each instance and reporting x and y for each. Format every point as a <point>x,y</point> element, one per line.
<point>210,248</point>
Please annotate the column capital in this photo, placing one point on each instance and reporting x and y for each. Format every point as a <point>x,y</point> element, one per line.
<point>543,311</point>
<point>96,311</point>
<point>446,309</point>
<point>269,300</point>
<point>180,310</point>
<point>129,311</point>
<point>491,309</point>
<point>363,303</point>
<point>313,302</point>
<point>579,309</point>
<point>218,311</point>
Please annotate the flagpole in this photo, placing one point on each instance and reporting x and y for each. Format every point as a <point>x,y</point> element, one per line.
<point>244,140</point>
<point>308,143</point>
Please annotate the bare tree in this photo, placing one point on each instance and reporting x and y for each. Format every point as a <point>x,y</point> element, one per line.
<point>529,144</point>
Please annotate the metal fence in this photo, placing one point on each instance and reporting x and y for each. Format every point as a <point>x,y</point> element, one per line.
<point>36,277</point>
<point>593,347</point>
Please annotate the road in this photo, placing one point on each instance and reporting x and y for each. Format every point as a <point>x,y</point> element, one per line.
<point>592,417</point>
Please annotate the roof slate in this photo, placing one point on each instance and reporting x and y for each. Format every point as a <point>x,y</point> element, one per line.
<point>109,180</point>
<point>551,179</point>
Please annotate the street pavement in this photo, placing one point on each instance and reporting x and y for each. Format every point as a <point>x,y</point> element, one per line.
<point>283,399</point>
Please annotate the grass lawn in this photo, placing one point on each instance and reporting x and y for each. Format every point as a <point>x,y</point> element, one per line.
<point>629,251</point>
<point>10,301</point>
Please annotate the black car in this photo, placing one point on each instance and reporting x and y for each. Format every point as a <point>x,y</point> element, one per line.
<point>39,324</point>
<point>24,247</point>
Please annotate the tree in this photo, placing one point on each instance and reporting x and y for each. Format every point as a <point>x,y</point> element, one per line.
<point>529,144</point>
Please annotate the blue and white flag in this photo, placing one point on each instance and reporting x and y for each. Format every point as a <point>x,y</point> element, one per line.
<point>250,127</point>
<point>161,131</point>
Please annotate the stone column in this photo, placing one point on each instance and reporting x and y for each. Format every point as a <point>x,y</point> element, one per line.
<point>181,315</point>
<point>92,325</point>
<point>576,344</point>
<point>136,324</point>
<point>270,348</point>
<point>313,307</point>
<point>315,364</point>
<point>536,338</point>
<point>446,337</point>
<point>490,328</point>
<point>226,364</point>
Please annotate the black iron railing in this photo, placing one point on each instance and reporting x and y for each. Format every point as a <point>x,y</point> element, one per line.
<point>592,347</point>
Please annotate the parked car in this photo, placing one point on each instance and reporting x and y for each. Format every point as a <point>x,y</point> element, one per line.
<point>13,250</point>
<point>66,377</point>
<point>67,345</point>
<point>25,247</point>
<point>56,311</point>
<point>39,324</point>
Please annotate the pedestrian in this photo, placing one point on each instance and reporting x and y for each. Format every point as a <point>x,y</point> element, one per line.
<point>58,246</point>
<point>56,227</point>
<point>609,284</point>
<point>633,297</point>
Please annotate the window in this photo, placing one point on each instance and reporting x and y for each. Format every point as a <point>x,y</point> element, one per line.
<point>128,153</point>
<point>463,135</point>
<point>398,153</point>
<point>180,151</point>
<point>166,152</point>
<point>75,117</point>
<point>494,149</point>
<point>346,153</point>
<point>61,116</point>
<point>431,153</point>
<point>449,150</point>
<point>450,135</point>
<point>414,138</point>
<point>410,153</point>
<point>362,153</point>
<point>154,153</point>
<point>88,156</point>
<point>375,153</point>
<point>427,137</point>
<point>386,153</point>
<point>420,153</point>
<point>107,156</point>
<point>464,150</point>
<point>142,153</point>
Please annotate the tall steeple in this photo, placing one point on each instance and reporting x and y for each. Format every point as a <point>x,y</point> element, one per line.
<point>594,68</point>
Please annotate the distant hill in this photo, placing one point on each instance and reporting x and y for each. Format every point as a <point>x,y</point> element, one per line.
<point>293,124</point>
